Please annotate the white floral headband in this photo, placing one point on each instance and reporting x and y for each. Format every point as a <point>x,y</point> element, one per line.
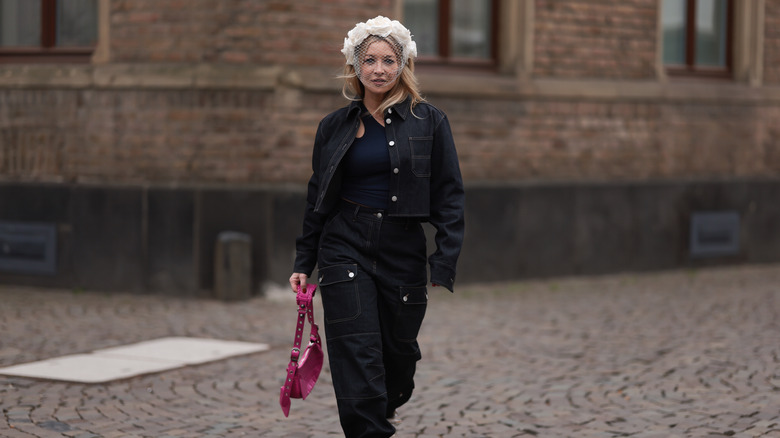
<point>382,27</point>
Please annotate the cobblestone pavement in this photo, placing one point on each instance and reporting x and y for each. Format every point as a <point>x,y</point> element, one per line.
<point>673,354</point>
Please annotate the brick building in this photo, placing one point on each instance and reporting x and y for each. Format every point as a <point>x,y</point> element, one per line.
<point>594,135</point>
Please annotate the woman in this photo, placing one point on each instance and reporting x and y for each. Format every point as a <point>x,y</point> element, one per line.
<point>382,165</point>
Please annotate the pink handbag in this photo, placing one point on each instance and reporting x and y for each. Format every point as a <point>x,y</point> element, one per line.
<point>303,370</point>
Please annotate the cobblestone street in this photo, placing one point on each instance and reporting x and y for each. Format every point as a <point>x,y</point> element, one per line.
<point>691,353</point>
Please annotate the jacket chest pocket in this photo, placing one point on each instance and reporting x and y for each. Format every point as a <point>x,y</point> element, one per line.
<point>420,148</point>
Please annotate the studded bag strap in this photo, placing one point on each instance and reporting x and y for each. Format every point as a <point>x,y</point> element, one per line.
<point>305,309</point>
<point>314,334</point>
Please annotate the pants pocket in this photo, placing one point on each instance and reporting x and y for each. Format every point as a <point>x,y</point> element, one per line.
<point>414,301</point>
<point>339,290</point>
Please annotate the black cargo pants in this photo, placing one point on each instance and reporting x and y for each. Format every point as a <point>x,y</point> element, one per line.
<point>372,277</point>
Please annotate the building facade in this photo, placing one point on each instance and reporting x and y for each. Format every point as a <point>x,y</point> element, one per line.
<point>594,136</point>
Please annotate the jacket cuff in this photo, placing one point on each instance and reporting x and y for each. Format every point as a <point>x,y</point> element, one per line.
<point>443,275</point>
<point>303,266</point>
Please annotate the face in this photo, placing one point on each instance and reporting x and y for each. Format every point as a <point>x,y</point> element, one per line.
<point>379,67</point>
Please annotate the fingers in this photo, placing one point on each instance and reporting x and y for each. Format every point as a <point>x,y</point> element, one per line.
<point>294,282</point>
<point>298,279</point>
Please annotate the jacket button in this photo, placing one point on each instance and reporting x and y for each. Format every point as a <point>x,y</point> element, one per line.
<point>394,198</point>
<point>388,121</point>
<point>389,111</point>
<point>392,143</point>
<point>396,170</point>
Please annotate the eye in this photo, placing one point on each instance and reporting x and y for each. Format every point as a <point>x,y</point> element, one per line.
<point>369,61</point>
<point>389,61</point>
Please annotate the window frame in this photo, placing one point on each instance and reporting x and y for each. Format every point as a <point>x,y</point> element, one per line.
<point>47,51</point>
<point>690,68</point>
<point>444,58</point>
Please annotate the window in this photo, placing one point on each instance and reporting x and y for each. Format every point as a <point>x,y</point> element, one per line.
<point>47,30</point>
<point>697,36</point>
<point>454,31</point>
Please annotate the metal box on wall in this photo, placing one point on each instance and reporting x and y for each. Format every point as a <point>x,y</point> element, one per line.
<point>27,248</point>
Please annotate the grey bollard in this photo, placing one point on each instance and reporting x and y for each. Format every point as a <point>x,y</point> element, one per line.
<point>233,266</point>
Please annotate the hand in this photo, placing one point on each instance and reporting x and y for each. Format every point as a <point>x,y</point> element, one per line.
<point>298,279</point>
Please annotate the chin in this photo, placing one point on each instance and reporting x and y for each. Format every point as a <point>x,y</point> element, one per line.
<point>378,90</point>
<point>371,88</point>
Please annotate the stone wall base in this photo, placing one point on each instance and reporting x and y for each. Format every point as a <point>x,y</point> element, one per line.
<point>162,239</point>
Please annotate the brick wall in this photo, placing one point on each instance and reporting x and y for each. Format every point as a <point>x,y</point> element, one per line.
<point>211,135</point>
<point>34,138</point>
<point>250,137</point>
<point>157,136</point>
<point>772,43</point>
<point>599,141</point>
<point>605,39</point>
<point>301,32</point>
<point>138,149</point>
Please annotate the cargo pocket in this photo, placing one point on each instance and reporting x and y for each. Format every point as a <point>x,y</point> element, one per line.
<point>339,291</point>
<point>414,301</point>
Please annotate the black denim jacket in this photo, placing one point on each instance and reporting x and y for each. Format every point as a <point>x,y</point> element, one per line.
<point>428,184</point>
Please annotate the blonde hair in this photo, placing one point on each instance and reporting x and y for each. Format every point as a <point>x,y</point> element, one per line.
<point>406,84</point>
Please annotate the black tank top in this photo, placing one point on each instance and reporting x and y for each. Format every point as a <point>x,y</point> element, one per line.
<point>367,167</point>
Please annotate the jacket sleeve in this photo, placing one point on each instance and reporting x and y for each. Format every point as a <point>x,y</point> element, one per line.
<point>447,205</point>
<point>307,243</point>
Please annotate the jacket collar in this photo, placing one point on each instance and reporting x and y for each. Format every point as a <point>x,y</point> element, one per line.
<point>401,108</point>
<point>355,108</point>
